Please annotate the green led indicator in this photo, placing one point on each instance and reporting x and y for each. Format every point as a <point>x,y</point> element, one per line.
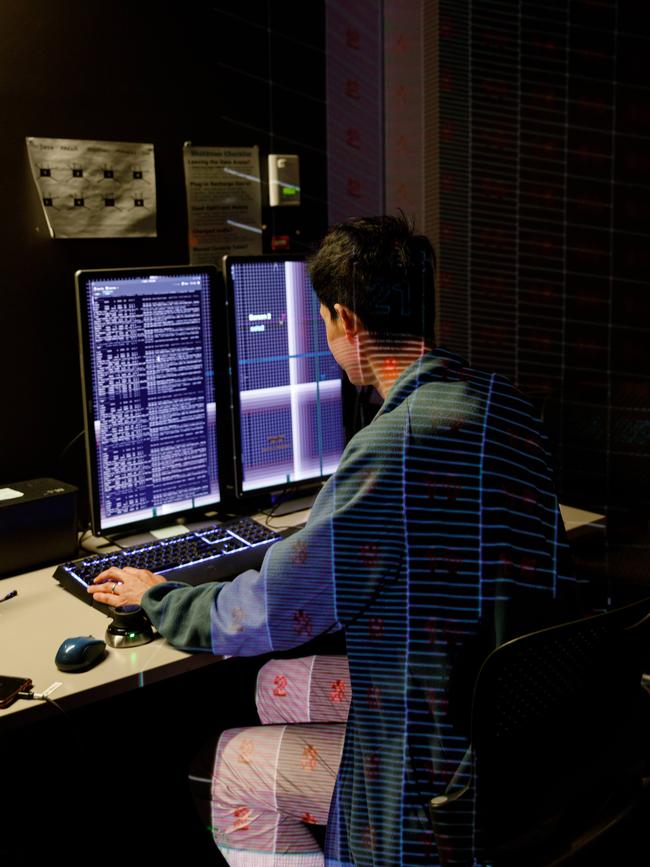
<point>131,634</point>
<point>289,191</point>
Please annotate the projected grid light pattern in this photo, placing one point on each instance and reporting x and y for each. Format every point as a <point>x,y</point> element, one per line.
<point>324,414</point>
<point>153,396</point>
<point>355,71</point>
<point>318,364</point>
<point>267,440</point>
<point>544,216</point>
<point>261,322</point>
<point>286,372</point>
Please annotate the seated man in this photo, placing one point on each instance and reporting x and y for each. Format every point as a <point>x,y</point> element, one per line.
<point>438,538</point>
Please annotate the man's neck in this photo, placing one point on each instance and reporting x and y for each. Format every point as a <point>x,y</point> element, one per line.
<point>388,364</point>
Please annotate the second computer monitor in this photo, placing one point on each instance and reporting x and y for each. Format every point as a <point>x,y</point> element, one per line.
<point>288,419</point>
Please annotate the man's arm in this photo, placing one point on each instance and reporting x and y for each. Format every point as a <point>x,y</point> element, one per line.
<point>175,609</point>
<point>177,612</point>
<point>316,581</point>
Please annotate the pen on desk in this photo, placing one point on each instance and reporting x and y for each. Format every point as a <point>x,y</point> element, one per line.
<point>9,596</point>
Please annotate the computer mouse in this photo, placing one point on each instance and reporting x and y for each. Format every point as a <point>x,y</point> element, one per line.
<point>80,653</point>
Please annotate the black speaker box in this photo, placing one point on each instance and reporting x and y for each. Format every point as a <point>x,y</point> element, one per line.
<point>38,524</point>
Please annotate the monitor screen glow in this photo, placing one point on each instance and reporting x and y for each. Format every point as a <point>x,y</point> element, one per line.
<point>150,404</point>
<point>288,412</point>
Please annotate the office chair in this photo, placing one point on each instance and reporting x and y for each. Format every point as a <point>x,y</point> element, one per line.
<point>559,747</point>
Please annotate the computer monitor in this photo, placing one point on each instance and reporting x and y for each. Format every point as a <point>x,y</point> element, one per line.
<point>286,386</point>
<point>148,378</point>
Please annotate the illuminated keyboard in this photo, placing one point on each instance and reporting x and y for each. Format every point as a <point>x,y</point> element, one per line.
<point>218,552</point>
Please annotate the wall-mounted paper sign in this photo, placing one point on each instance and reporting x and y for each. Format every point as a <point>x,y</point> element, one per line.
<point>224,203</point>
<point>95,189</point>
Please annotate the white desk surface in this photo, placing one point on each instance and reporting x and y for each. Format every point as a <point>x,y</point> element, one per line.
<point>43,614</point>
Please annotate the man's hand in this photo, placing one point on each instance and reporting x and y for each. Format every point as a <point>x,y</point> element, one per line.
<point>123,586</point>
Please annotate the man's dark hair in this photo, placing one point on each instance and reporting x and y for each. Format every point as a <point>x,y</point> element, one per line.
<point>380,269</point>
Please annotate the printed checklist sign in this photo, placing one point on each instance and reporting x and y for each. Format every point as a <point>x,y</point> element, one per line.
<point>224,207</point>
<point>95,189</point>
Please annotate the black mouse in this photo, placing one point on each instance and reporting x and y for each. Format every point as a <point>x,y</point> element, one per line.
<point>80,653</point>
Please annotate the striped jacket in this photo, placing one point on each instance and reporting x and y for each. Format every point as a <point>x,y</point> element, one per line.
<point>438,538</point>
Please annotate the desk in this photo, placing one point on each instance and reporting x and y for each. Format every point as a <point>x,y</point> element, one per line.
<point>131,728</point>
<point>33,625</point>
<point>147,710</point>
<point>149,735</point>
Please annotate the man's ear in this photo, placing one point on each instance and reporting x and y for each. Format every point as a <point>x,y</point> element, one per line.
<point>351,323</point>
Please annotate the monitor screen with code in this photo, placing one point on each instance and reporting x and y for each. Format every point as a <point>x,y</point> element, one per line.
<point>149,392</point>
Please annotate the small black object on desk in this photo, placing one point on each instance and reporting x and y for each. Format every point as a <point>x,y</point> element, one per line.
<point>38,524</point>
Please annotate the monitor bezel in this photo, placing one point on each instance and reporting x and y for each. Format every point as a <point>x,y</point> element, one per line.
<point>83,279</point>
<point>236,478</point>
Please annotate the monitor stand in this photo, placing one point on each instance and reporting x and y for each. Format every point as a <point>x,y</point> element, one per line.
<point>179,527</point>
<point>298,504</point>
<point>144,536</point>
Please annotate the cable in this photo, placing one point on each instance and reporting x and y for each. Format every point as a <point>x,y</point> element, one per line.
<point>282,498</point>
<point>69,446</point>
<point>29,696</point>
<point>41,696</point>
<point>45,697</point>
<point>86,532</point>
<point>60,709</point>
<point>11,595</point>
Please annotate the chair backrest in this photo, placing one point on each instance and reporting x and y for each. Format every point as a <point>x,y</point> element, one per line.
<point>556,733</point>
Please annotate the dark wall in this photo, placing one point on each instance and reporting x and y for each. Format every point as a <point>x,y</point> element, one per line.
<point>214,74</point>
<point>544,224</point>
